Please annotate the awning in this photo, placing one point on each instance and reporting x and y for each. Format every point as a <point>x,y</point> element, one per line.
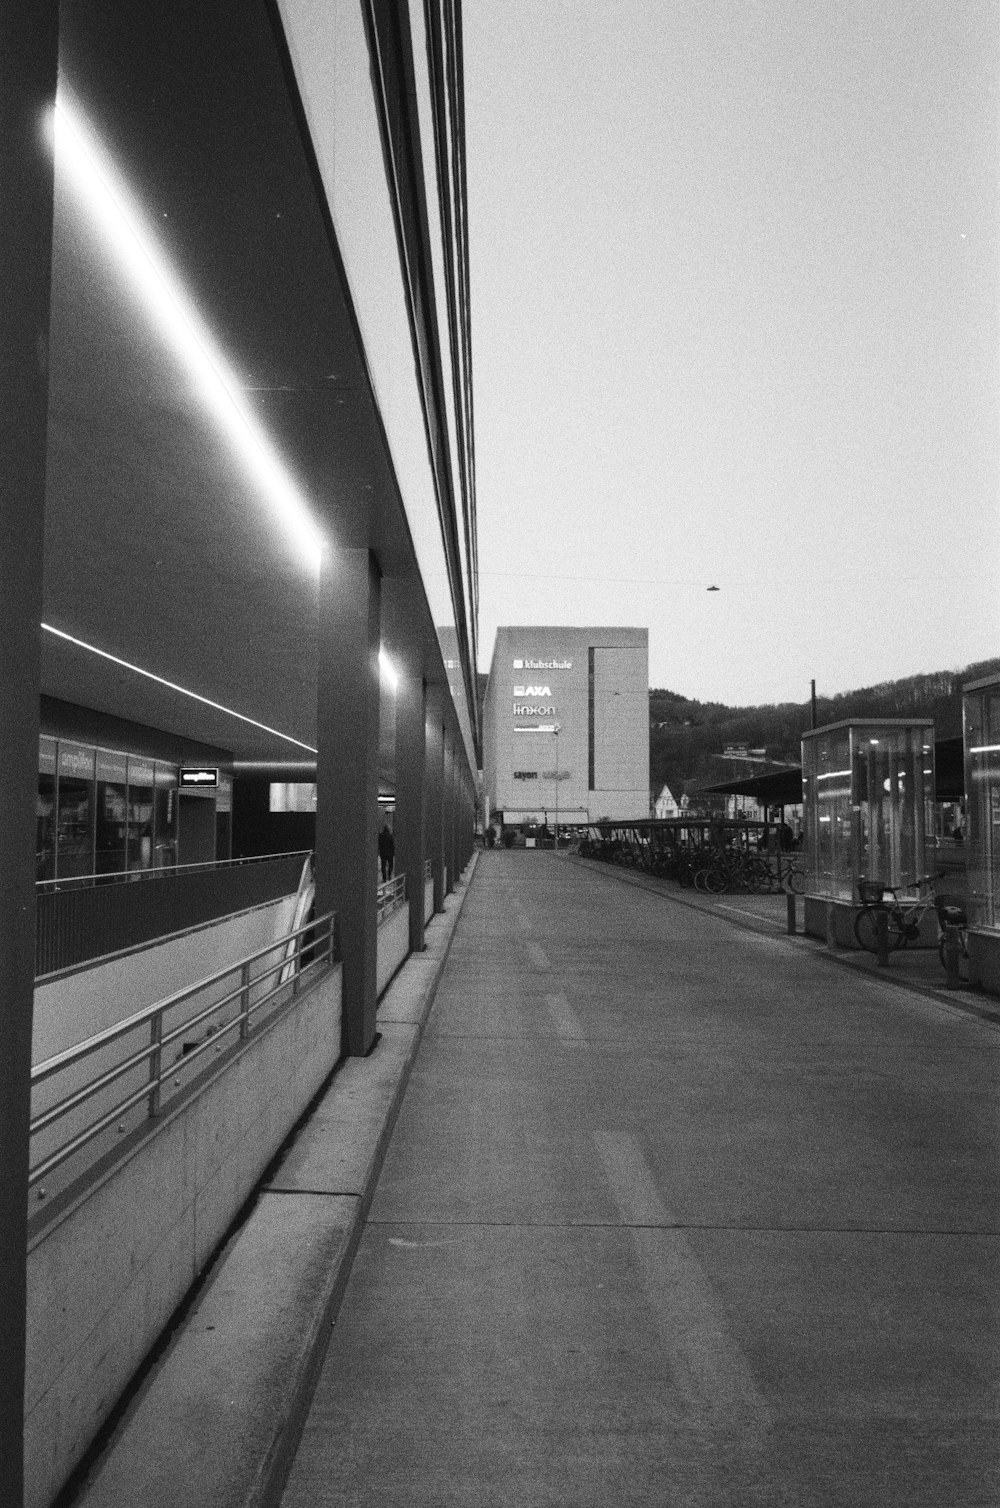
<point>784,787</point>
<point>775,788</point>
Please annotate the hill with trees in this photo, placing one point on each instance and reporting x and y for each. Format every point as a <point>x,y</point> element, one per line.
<point>687,738</point>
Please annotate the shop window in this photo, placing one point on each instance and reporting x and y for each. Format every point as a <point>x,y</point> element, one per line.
<point>164,816</point>
<point>75,812</point>
<point>111,815</point>
<point>140,814</point>
<point>45,840</point>
<point>294,796</point>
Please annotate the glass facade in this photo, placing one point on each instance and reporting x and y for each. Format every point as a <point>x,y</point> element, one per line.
<point>103,812</point>
<point>330,53</point>
<point>164,816</point>
<point>45,837</point>
<point>868,791</point>
<point>981,714</point>
<point>75,811</point>
<point>140,814</point>
<point>111,808</point>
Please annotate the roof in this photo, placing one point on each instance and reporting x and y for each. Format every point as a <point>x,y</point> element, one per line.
<point>784,787</point>
<point>776,787</point>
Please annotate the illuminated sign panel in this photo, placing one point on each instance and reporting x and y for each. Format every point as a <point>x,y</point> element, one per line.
<point>543,664</point>
<point>198,777</point>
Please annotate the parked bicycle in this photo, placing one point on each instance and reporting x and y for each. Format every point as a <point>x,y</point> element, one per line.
<point>903,915</point>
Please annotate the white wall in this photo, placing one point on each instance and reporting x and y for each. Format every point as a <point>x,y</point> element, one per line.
<point>392,946</point>
<point>77,1004</point>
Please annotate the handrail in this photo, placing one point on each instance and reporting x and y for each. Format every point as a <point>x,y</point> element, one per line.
<point>159,872</point>
<point>316,938</point>
<point>391,895</point>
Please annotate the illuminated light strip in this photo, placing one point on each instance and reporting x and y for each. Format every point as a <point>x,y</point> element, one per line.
<point>984,749</point>
<point>172,686</point>
<point>94,177</point>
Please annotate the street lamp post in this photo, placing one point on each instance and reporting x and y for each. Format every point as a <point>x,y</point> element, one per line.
<point>556,732</point>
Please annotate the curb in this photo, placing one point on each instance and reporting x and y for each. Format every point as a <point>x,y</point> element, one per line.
<point>217,1422</point>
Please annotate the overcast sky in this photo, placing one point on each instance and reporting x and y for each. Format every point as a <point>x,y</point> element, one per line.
<point>735,303</point>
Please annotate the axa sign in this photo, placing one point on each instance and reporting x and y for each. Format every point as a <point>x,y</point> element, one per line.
<point>532,690</point>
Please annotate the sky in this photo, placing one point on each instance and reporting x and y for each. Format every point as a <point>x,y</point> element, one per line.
<point>736,308</point>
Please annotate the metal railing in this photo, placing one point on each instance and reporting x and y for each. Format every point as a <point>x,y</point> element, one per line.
<point>78,923</point>
<point>391,895</point>
<point>428,869</point>
<point>160,1068</point>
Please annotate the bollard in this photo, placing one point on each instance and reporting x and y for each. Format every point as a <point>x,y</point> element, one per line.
<point>831,926</point>
<point>952,954</point>
<point>790,912</point>
<point>882,936</point>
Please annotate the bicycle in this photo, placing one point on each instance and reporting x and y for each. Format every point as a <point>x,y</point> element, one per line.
<point>903,916</point>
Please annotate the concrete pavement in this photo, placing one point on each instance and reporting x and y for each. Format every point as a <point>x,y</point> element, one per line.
<point>215,1421</point>
<point>673,1213</point>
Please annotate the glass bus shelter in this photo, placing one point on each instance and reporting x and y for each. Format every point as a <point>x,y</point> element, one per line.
<point>868,794</point>
<point>981,719</point>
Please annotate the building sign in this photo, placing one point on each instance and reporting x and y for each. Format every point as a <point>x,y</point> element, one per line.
<point>543,664</point>
<point>198,777</point>
<point>525,774</point>
<point>533,709</point>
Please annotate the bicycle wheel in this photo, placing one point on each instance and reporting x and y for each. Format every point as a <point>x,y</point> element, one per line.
<point>795,882</point>
<point>866,928</point>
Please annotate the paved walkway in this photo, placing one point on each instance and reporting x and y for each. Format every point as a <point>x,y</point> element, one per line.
<point>674,1213</point>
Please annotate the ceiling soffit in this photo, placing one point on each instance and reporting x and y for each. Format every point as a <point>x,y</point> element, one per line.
<point>160,547</point>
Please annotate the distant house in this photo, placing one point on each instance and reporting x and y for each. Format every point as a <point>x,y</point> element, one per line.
<point>665,805</point>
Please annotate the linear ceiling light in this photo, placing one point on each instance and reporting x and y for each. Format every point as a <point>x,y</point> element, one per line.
<point>86,164</point>
<point>388,669</point>
<point>173,686</point>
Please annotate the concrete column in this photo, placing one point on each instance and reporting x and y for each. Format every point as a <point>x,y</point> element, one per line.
<point>470,820</point>
<point>456,808</point>
<point>411,736</point>
<point>434,812</point>
<point>347,777</point>
<point>28,60</point>
<point>448,812</point>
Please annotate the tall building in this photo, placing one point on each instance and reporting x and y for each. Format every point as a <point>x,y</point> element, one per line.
<point>566,725</point>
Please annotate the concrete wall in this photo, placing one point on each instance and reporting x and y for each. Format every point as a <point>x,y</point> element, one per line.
<point>984,961</point>
<point>106,1272</point>
<point>80,1002</point>
<point>393,945</point>
<point>819,914</point>
<point>428,900</point>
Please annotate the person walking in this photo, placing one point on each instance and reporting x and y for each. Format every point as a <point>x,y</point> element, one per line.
<point>386,852</point>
